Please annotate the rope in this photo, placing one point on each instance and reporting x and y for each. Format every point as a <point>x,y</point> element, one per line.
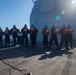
<point>13,68</point>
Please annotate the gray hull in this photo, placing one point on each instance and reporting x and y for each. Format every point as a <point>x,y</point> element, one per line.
<point>51,12</point>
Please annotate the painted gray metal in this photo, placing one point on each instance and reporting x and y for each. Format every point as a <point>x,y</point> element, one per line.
<point>51,12</point>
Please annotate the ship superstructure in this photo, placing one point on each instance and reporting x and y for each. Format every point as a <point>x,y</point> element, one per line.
<point>49,12</point>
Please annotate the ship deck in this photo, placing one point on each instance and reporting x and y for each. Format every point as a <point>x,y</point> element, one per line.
<point>38,61</point>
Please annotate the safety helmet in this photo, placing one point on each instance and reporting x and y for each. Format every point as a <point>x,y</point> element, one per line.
<point>6,27</point>
<point>45,25</point>
<point>14,26</point>
<point>32,25</point>
<point>69,24</point>
<point>25,25</point>
<point>54,26</point>
<point>64,24</point>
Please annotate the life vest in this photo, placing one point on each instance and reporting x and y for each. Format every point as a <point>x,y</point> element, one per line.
<point>45,31</point>
<point>54,30</point>
<point>6,32</point>
<point>0,30</point>
<point>66,31</point>
<point>70,31</point>
<point>33,30</point>
<point>25,30</point>
<point>14,30</point>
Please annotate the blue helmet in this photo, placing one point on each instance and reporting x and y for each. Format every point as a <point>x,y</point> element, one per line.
<point>32,24</point>
<point>45,25</point>
<point>64,24</point>
<point>69,24</point>
<point>54,25</point>
<point>14,26</point>
<point>25,25</point>
<point>6,27</point>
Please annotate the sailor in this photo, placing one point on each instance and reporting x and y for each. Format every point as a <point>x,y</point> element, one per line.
<point>54,32</point>
<point>64,36</point>
<point>7,36</point>
<point>25,32</point>
<point>14,31</point>
<point>70,35</point>
<point>1,34</point>
<point>33,35</point>
<point>45,33</point>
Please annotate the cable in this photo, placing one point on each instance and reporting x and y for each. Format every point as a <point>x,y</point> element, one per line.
<point>13,68</point>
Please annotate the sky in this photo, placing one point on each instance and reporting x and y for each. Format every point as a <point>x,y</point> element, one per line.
<point>15,12</point>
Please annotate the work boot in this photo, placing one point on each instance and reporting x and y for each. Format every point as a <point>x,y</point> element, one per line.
<point>58,48</point>
<point>72,47</point>
<point>67,48</point>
